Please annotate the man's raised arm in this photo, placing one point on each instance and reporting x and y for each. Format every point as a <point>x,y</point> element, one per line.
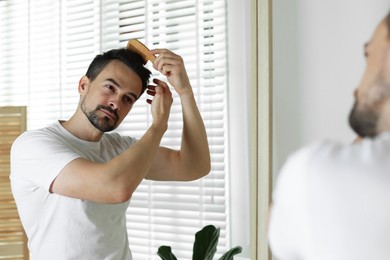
<point>192,161</point>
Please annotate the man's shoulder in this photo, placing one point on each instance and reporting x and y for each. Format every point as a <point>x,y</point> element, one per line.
<point>115,138</point>
<point>45,132</point>
<point>333,148</point>
<point>37,138</point>
<point>316,149</point>
<point>313,156</point>
<point>328,153</point>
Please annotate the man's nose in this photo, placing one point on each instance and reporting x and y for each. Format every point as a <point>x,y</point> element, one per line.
<point>114,104</point>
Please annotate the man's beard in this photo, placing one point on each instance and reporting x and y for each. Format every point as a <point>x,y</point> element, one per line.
<point>102,124</point>
<point>363,121</point>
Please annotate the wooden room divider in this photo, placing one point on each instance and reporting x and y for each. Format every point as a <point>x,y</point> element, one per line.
<point>13,241</point>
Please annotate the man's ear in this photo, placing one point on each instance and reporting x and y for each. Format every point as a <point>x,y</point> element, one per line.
<point>84,85</point>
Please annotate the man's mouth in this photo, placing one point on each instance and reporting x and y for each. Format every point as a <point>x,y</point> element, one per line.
<point>109,114</point>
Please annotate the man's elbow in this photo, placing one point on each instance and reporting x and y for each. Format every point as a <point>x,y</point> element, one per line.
<point>120,195</point>
<point>206,169</point>
<point>201,170</point>
<point>121,198</point>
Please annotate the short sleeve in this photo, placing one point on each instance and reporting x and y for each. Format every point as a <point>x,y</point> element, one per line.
<point>37,157</point>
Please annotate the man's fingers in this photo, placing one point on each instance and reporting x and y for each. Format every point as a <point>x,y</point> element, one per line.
<point>151,93</point>
<point>159,82</point>
<point>151,90</point>
<point>164,86</point>
<point>167,69</point>
<point>161,89</point>
<point>165,57</point>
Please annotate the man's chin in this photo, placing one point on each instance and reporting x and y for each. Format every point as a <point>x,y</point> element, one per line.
<point>106,125</point>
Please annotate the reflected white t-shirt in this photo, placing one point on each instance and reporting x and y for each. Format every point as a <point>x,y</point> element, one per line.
<point>332,201</point>
<point>60,227</point>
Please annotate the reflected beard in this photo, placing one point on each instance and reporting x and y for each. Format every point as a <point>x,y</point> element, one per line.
<point>363,121</point>
<point>103,124</point>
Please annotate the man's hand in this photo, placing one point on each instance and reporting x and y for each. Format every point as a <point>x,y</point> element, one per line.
<point>171,65</point>
<point>161,103</point>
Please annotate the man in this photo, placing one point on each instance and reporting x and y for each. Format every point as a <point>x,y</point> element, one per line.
<point>72,181</point>
<point>331,201</point>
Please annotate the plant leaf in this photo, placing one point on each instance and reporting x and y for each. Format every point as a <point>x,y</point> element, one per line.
<point>165,253</point>
<point>232,252</point>
<point>205,244</point>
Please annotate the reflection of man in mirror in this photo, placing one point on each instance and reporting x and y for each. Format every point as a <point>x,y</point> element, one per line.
<point>331,200</point>
<point>72,181</point>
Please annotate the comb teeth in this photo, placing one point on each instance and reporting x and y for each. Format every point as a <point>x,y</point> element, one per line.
<point>138,47</point>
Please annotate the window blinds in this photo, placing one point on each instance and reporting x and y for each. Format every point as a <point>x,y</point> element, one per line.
<point>46,46</point>
<point>14,60</point>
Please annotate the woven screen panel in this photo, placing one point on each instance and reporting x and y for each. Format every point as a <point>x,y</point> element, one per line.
<point>13,241</point>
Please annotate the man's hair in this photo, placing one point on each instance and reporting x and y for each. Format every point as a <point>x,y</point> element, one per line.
<point>131,59</point>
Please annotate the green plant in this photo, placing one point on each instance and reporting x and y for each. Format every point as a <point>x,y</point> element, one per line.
<point>205,246</point>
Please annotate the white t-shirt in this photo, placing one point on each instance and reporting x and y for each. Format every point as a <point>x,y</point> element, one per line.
<point>60,227</point>
<point>332,201</point>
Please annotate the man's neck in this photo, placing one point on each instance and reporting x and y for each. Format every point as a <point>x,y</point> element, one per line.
<point>79,126</point>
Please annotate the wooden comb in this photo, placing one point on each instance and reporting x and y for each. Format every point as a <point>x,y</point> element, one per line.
<point>137,46</point>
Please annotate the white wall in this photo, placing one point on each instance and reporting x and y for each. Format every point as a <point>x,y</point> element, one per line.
<point>318,62</point>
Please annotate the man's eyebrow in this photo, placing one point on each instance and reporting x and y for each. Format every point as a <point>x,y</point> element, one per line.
<point>119,86</point>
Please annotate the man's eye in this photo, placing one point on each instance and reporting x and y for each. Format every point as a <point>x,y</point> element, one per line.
<point>128,100</point>
<point>110,87</point>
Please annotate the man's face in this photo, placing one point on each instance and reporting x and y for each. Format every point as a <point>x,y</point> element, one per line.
<point>110,96</point>
<point>372,91</point>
